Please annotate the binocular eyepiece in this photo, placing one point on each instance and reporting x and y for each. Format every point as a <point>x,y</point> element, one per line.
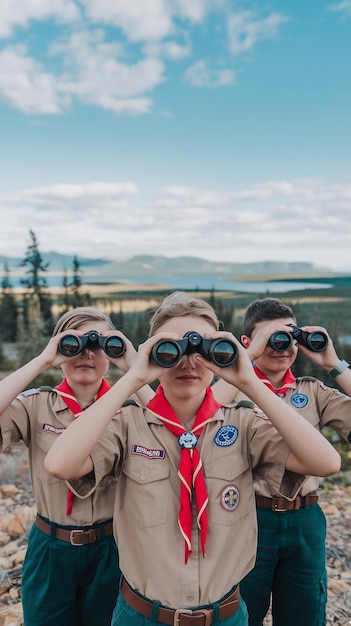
<point>315,341</point>
<point>168,352</point>
<point>71,345</point>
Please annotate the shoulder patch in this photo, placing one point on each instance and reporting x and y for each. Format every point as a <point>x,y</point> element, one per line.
<point>30,392</point>
<point>245,404</point>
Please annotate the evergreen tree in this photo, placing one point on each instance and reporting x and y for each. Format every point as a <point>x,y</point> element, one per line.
<point>36,284</point>
<point>8,309</point>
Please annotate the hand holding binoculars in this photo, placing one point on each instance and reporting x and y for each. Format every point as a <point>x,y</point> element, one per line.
<point>315,341</point>
<point>71,345</point>
<point>168,352</point>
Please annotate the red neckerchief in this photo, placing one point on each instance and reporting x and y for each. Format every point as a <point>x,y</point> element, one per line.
<point>66,393</point>
<point>190,469</point>
<point>288,381</point>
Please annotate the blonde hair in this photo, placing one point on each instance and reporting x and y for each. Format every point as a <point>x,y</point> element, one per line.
<point>81,315</point>
<point>179,304</point>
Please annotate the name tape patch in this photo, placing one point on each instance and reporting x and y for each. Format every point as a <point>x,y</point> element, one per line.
<point>50,428</point>
<point>148,452</point>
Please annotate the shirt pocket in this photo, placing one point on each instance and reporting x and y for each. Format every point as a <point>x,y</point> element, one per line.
<point>230,487</point>
<point>146,490</point>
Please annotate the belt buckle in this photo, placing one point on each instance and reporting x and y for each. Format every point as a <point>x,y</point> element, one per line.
<point>72,536</point>
<point>275,506</point>
<point>178,613</point>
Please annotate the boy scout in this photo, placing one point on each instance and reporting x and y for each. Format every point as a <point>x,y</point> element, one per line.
<point>290,566</point>
<point>70,573</point>
<point>184,515</point>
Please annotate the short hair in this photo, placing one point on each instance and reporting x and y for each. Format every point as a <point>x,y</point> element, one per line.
<point>265,309</point>
<point>74,318</point>
<point>180,304</point>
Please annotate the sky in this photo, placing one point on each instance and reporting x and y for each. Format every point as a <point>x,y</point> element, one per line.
<point>211,128</point>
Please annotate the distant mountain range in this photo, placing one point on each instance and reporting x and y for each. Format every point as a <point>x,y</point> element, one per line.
<point>146,266</point>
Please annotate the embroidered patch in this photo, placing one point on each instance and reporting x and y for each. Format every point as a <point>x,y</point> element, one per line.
<point>50,428</point>
<point>260,413</point>
<point>299,400</point>
<point>148,452</point>
<point>30,392</point>
<point>187,440</point>
<point>230,498</point>
<point>226,435</point>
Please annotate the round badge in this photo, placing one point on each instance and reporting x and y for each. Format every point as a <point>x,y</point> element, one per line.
<point>187,440</point>
<point>226,435</point>
<point>230,498</point>
<point>299,400</point>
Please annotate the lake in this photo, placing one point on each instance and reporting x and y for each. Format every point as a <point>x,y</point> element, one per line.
<point>203,283</point>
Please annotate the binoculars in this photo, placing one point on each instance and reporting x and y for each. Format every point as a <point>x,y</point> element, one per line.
<point>316,341</point>
<point>71,345</point>
<point>168,352</point>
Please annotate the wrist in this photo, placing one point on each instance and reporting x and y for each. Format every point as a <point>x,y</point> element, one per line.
<point>339,368</point>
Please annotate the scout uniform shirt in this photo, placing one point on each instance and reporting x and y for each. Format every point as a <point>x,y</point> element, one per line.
<point>38,417</point>
<point>234,444</point>
<point>321,406</point>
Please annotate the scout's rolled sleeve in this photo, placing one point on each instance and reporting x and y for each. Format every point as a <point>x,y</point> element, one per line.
<point>84,486</point>
<point>282,482</point>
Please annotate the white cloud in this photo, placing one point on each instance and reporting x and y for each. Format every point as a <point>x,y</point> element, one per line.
<point>26,85</point>
<point>245,30</point>
<point>342,7</point>
<point>302,220</point>
<point>200,74</point>
<point>18,13</point>
<point>98,76</point>
<point>148,20</point>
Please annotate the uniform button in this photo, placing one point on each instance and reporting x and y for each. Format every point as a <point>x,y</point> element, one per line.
<point>142,477</point>
<point>190,597</point>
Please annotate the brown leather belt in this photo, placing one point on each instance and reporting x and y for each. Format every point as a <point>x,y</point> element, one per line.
<point>281,504</point>
<point>76,536</point>
<point>181,617</point>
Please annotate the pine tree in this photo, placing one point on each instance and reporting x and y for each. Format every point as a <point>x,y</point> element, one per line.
<point>8,309</point>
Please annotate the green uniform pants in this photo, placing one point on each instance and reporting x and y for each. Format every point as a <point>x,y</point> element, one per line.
<point>290,567</point>
<point>65,585</point>
<point>124,615</point>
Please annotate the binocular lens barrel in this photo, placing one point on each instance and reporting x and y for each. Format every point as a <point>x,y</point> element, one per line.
<point>114,346</point>
<point>167,353</point>
<point>316,341</point>
<point>71,345</point>
<point>281,341</point>
<point>223,352</point>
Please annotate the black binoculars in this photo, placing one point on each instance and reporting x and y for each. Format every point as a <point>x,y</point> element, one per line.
<point>168,352</point>
<point>316,341</point>
<point>71,345</point>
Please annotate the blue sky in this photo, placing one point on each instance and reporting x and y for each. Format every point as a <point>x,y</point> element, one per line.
<point>212,128</point>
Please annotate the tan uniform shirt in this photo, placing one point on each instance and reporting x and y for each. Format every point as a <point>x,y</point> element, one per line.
<point>38,417</point>
<point>233,446</point>
<point>321,406</point>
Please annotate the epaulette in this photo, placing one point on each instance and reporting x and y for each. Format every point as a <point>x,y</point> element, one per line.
<point>310,378</point>
<point>45,388</point>
<point>30,392</point>
<point>245,404</point>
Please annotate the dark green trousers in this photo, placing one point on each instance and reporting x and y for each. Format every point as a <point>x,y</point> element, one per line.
<point>65,585</point>
<point>290,567</point>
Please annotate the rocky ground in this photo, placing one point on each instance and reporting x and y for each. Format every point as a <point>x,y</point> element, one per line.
<point>17,513</point>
